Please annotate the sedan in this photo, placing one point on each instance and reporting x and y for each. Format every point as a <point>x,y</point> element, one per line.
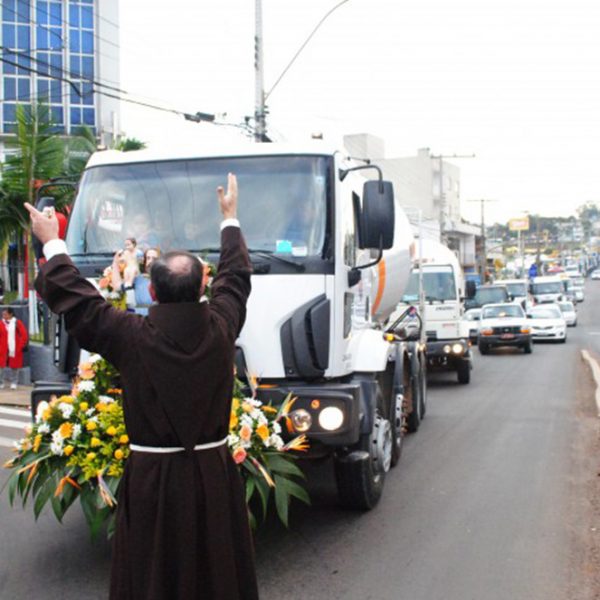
<point>504,325</point>
<point>569,313</point>
<point>547,323</point>
<point>596,274</point>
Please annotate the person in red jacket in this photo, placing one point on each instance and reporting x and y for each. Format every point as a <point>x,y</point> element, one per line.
<point>13,339</point>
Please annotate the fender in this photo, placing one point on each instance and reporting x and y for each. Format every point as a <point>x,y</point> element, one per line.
<point>400,356</point>
<point>370,353</point>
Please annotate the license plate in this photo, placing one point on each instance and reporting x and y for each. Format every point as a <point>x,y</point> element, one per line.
<point>507,336</point>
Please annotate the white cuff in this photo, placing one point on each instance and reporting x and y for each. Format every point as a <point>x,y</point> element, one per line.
<point>229,223</point>
<point>54,247</point>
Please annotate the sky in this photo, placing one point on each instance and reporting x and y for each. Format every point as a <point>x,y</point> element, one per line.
<point>517,83</point>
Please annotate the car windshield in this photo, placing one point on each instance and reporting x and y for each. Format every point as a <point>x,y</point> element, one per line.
<point>438,285</point>
<point>549,287</point>
<point>549,312</point>
<point>517,290</point>
<point>173,205</point>
<point>502,311</point>
<point>566,306</point>
<point>490,295</point>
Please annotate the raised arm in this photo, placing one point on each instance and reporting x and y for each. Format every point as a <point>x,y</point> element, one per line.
<point>93,322</point>
<point>231,285</point>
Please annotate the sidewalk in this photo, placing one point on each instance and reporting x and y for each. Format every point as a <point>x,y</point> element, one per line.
<point>19,397</point>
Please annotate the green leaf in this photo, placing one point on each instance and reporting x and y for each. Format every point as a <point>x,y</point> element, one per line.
<point>264,492</point>
<point>45,493</point>
<point>250,487</point>
<point>283,464</point>
<point>13,484</point>
<point>293,489</point>
<point>282,500</point>
<point>57,508</point>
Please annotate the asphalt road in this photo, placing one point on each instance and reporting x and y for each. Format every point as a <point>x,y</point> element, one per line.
<point>478,508</point>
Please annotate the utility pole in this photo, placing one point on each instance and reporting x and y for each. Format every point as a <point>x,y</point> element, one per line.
<point>441,158</point>
<point>483,258</point>
<point>260,125</point>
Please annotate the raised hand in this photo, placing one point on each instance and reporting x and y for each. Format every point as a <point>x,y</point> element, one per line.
<point>43,224</point>
<point>228,201</point>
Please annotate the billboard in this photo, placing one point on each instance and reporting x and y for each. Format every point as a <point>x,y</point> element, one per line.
<point>520,224</point>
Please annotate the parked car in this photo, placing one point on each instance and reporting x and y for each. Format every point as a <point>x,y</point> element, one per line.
<point>569,313</point>
<point>596,274</point>
<point>547,323</point>
<point>504,325</point>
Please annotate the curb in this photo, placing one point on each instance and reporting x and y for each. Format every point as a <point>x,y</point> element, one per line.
<point>595,367</point>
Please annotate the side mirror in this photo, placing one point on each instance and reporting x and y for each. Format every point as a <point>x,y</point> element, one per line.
<point>471,289</point>
<point>377,216</point>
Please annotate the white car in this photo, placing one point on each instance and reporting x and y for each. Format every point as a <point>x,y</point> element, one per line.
<point>579,295</point>
<point>596,274</point>
<point>569,313</point>
<point>472,317</point>
<point>547,323</point>
<point>504,325</point>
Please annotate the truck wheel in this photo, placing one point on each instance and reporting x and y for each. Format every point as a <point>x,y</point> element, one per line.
<point>360,475</point>
<point>463,371</point>
<point>423,385</point>
<point>412,401</point>
<point>483,348</point>
<point>528,347</point>
<point>398,427</point>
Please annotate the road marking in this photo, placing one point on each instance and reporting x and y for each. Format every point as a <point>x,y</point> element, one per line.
<point>593,332</point>
<point>13,424</point>
<point>15,412</point>
<point>596,374</point>
<point>6,442</point>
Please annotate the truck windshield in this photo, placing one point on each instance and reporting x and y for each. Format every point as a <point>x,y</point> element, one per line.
<point>438,285</point>
<point>491,295</point>
<point>549,287</point>
<point>517,290</point>
<point>173,205</point>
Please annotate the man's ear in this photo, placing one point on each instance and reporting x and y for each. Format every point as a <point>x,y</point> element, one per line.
<point>152,292</point>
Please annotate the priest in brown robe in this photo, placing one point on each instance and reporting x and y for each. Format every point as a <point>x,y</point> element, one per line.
<point>182,529</point>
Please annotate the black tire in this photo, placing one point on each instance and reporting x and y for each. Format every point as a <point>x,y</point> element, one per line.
<point>463,371</point>
<point>483,348</point>
<point>528,347</point>
<point>412,399</point>
<point>423,382</point>
<point>360,477</point>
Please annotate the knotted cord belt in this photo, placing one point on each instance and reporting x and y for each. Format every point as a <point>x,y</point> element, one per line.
<point>172,449</point>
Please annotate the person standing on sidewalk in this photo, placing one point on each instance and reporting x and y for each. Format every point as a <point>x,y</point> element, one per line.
<point>13,340</point>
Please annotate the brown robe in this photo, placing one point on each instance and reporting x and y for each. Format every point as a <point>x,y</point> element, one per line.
<point>182,524</point>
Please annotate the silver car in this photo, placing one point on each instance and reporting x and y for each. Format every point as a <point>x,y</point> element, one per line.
<point>569,313</point>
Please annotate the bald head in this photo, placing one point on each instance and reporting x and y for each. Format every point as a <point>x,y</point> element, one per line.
<point>176,277</point>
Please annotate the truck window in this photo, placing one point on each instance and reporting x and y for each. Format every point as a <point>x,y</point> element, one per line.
<point>438,285</point>
<point>172,204</point>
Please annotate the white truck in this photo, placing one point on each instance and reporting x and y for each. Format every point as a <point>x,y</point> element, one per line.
<point>548,288</point>
<point>443,286</point>
<point>331,253</point>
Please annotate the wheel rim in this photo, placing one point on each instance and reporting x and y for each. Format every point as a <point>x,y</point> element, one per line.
<point>381,446</point>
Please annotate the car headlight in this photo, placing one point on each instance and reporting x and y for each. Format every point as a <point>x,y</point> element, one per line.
<point>331,418</point>
<point>447,348</point>
<point>301,420</point>
<point>458,349</point>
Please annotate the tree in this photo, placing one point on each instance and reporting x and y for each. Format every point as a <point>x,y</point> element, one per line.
<point>129,144</point>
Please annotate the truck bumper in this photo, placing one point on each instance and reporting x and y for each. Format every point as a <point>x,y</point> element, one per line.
<point>335,410</point>
<point>445,354</point>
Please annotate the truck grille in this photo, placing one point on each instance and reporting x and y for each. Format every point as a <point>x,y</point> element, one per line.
<point>501,330</point>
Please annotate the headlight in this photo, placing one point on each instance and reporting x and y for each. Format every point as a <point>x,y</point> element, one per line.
<point>331,418</point>
<point>487,332</point>
<point>447,349</point>
<point>301,420</point>
<point>458,349</point>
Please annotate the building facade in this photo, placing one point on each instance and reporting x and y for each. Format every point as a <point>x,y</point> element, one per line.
<point>64,53</point>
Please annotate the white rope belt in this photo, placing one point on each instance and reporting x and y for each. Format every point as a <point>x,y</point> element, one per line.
<point>171,449</point>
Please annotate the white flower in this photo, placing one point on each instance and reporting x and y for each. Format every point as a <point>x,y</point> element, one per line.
<point>44,428</point>
<point>56,448</point>
<point>114,295</point>
<point>276,441</point>
<point>246,419</point>
<point>66,409</point>
<point>76,431</point>
<point>90,411</point>
<point>57,438</point>
<point>86,386</point>
<point>232,440</point>
<point>41,407</point>
<point>94,358</point>
<point>276,427</point>
<point>93,419</point>
<point>106,399</point>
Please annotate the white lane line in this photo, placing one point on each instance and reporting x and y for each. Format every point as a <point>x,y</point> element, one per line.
<point>15,412</point>
<point>13,424</point>
<point>595,373</point>
<point>6,442</point>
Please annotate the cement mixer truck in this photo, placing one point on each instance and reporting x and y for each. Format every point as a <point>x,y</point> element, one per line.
<point>437,274</point>
<point>331,253</point>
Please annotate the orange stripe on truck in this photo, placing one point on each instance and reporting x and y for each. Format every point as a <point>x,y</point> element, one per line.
<point>380,286</point>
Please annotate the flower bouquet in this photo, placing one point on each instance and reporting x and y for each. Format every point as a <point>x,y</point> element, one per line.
<point>78,445</point>
<point>115,297</point>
